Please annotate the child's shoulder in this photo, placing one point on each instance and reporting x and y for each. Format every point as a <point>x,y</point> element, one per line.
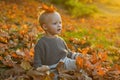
<point>40,40</point>
<point>44,38</point>
<point>60,38</point>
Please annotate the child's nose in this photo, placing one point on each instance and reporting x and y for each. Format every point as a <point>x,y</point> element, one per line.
<point>59,25</point>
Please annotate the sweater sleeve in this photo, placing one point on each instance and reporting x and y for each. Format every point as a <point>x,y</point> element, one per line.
<point>70,54</point>
<point>38,54</point>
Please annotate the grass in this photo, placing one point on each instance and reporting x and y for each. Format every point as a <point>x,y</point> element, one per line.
<point>95,36</point>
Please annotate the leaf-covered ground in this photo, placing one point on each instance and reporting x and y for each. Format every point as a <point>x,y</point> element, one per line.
<point>98,39</point>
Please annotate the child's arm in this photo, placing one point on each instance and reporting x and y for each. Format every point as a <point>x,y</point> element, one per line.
<point>39,50</point>
<point>38,55</point>
<point>71,54</point>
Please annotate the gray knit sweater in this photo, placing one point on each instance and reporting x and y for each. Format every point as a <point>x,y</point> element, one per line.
<point>49,51</point>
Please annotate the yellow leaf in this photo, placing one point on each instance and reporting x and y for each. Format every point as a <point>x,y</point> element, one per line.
<point>3,40</point>
<point>47,78</point>
<point>25,65</point>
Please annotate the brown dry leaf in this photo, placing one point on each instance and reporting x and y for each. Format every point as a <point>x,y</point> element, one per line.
<point>117,67</point>
<point>8,61</point>
<point>66,76</point>
<point>60,67</point>
<point>112,75</point>
<point>10,78</point>
<point>28,55</point>
<point>22,77</point>
<point>88,65</point>
<point>36,75</point>
<point>84,77</point>
<point>16,70</point>
<point>3,45</point>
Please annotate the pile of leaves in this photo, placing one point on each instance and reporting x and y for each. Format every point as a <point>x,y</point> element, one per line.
<point>91,65</point>
<point>18,36</point>
<point>17,53</point>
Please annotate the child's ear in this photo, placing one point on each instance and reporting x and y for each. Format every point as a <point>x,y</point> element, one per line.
<point>44,26</point>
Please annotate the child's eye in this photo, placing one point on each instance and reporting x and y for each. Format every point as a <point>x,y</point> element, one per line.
<point>55,23</point>
<point>60,22</point>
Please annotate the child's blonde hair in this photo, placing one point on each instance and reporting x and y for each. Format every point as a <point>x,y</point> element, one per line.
<point>45,11</point>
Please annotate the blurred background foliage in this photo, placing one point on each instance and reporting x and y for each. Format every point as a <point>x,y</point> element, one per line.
<point>77,7</point>
<point>88,8</point>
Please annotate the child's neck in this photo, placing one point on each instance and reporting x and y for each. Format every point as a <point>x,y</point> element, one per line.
<point>50,36</point>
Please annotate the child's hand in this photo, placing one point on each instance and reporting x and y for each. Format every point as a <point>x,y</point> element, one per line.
<point>43,68</point>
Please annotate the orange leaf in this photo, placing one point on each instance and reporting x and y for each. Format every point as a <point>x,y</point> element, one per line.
<point>48,8</point>
<point>14,55</point>
<point>8,63</point>
<point>116,66</point>
<point>101,72</point>
<point>6,27</point>
<point>79,62</point>
<point>3,40</point>
<point>83,41</point>
<point>102,56</point>
<point>94,58</point>
<point>1,57</point>
<point>85,50</point>
<point>82,20</point>
<point>24,29</point>
<point>31,52</point>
